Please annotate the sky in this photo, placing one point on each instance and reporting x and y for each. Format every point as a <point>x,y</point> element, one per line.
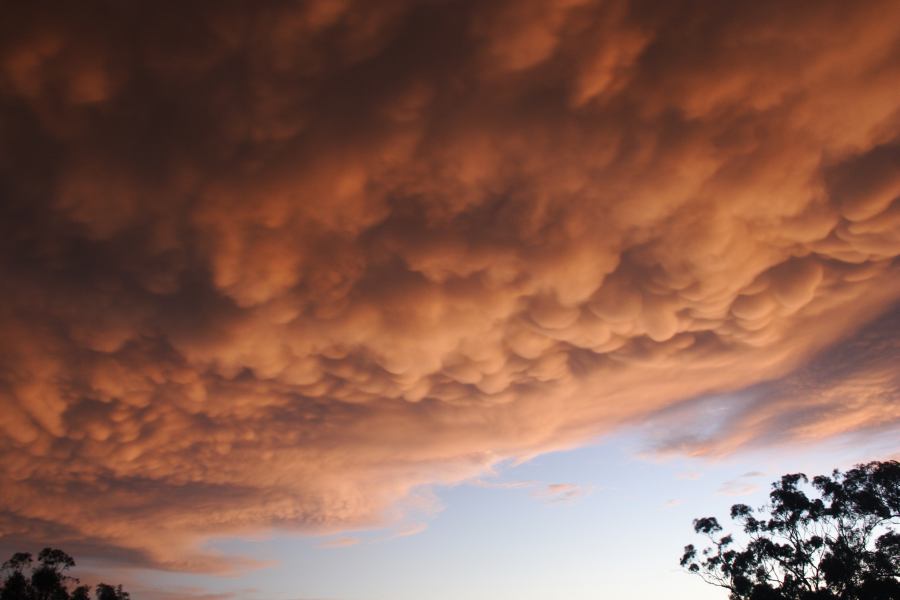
<point>358,300</point>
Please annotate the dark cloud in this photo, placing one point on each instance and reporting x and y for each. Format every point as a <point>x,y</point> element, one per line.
<point>277,265</point>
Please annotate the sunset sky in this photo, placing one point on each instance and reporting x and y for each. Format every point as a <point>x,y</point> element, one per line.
<point>436,299</point>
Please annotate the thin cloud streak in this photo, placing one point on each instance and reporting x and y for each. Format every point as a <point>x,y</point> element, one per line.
<point>341,542</point>
<point>561,493</point>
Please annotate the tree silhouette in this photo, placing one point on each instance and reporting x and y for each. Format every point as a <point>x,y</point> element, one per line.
<point>108,592</point>
<point>839,544</point>
<point>49,579</point>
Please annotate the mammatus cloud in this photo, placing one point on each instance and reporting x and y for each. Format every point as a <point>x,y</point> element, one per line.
<point>275,266</point>
<point>850,387</point>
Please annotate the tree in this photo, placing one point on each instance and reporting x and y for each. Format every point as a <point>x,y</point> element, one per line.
<point>17,586</point>
<point>108,592</point>
<point>49,579</point>
<point>840,543</point>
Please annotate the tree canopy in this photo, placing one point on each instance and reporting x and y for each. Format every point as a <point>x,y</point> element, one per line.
<point>49,579</point>
<point>832,538</point>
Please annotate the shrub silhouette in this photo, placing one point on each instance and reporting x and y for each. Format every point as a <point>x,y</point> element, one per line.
<point>48,580</point>
<point>840,544</point>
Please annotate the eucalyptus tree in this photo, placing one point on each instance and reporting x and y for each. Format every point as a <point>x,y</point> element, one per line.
<point>832,538</point>
<point>48,579</point>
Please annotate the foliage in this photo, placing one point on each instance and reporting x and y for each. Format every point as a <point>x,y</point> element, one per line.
<point>48,580</point>
<point>839,544</point>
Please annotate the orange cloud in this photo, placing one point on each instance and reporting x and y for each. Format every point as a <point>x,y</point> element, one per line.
<point>555,493</point>
<point>341,542</point>
<point>279,266</point>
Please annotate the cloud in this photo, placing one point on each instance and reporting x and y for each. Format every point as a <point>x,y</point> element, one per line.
<point>740,486</point>
<point>846,388</point>
<point>341,542</point>
<point>554,493</point>
<point>279,266</point>
<point>504,485</point>
<point>545,492</point>
<point>410,530</point>
<point>737,488</point>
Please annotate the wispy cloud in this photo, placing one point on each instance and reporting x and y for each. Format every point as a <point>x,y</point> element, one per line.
<point>410,530</point>
<point>555,493</point>
<point>737,488</point>
<point>504,485</point>
<point>340,542</point>
<point>546,492</point>
<point>741,486</point>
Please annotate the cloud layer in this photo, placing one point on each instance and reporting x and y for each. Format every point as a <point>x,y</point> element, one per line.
<point>277,265</point>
